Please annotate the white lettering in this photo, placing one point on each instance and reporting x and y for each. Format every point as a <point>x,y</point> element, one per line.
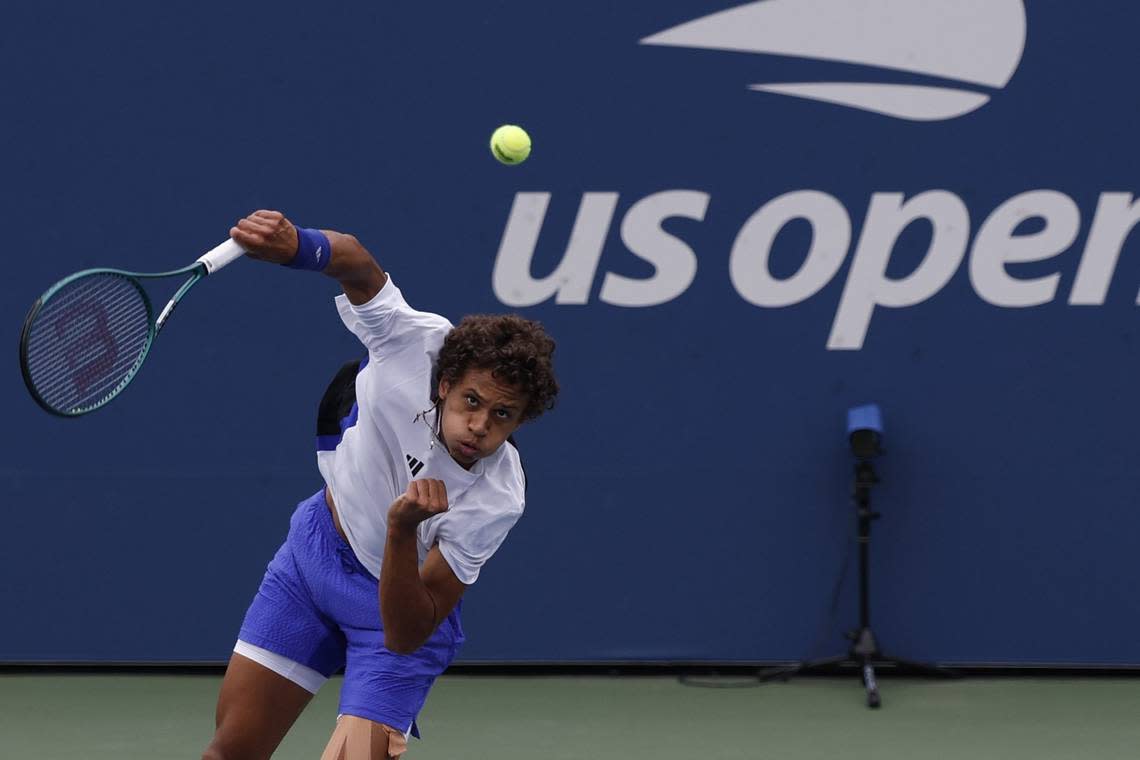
<point>830,236</point>
<point>1116,215</point>
<point>868,286</point>
<point>570,282</point>
<point>867,283</point>
<point>996,245</point>
<point>674,261</point>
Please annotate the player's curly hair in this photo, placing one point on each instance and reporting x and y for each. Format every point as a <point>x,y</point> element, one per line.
<point>517,351</point>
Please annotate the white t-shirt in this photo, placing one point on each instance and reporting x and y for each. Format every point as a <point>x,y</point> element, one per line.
<point>394,435</point>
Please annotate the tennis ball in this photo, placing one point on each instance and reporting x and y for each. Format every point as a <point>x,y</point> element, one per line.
<point>510,144</point>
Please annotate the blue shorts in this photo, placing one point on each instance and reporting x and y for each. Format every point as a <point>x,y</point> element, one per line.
<point>318,606</point>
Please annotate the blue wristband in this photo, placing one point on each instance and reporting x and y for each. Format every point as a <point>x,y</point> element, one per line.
<point>313,250</point>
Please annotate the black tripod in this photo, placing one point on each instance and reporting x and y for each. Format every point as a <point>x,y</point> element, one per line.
<point>864,650</point>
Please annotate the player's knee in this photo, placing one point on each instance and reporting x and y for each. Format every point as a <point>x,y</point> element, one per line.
<point>213,753</point>
<point>361,739</point>
<point>219,751</point>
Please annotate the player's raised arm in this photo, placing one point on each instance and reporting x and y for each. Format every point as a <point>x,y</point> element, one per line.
<point>269,236</point>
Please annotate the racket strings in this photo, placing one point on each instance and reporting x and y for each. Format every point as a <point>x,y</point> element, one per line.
<point>87,365</point>
<point>87,355</point>
<point>87,351</point>
<point>87,340</point>
<point>84,353</point>
<point>98,329</point>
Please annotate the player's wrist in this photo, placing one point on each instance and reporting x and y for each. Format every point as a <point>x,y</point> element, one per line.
<point>313,250</point>
<point>401,528</point>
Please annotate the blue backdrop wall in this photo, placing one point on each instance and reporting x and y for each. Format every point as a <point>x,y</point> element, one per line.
<point>734,230</point>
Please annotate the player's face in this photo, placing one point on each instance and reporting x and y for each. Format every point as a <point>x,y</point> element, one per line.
<point>479,412</point>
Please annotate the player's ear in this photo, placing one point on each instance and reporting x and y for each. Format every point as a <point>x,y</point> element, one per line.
<point>444,387</point>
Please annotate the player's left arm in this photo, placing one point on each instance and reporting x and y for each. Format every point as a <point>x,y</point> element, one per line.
<point>415,600</point>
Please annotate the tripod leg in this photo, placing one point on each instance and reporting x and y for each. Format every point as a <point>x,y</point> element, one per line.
<point>800,668</point>
<point>782,674</point>
<point>924,668</point>
<point>872,686</point>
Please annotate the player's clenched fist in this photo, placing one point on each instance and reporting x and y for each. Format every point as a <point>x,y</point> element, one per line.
<point>267,236</point>
<point>424,498</point>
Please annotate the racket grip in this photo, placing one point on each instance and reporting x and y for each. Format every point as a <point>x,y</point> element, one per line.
<point>219,256</point>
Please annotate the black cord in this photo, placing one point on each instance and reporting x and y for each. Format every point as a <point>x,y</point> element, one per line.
<point>714,681</point>
<point>833,615</point>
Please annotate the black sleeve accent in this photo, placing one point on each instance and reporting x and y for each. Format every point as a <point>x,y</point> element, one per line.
<point>338,399</point>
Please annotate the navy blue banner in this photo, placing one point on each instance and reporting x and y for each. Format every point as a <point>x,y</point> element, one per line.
<point>738,221</point>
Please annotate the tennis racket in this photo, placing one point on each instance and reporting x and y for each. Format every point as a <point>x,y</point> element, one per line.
<point>85,338</point>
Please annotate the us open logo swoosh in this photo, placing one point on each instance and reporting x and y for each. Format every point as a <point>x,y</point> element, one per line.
<point>974,43</point>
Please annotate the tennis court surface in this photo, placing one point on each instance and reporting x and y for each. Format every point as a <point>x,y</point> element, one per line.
<point>98,717</point>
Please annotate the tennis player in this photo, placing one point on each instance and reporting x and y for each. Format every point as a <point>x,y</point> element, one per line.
<point>421,487</point>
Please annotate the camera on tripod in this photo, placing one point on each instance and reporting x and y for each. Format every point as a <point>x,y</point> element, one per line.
<point>865,431</point>
<point>865,435</point>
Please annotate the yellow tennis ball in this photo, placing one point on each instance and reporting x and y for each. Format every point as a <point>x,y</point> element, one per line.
<point>510,144</point>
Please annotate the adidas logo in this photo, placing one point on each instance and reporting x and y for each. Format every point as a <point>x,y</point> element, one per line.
<point>976,44</point>
<point>414,464</point>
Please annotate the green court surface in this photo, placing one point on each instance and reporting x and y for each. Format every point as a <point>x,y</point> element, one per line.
<point>97,717</point>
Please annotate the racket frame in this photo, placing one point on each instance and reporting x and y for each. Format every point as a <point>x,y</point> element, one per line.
<point>197,271</point>
<point>217,257</point>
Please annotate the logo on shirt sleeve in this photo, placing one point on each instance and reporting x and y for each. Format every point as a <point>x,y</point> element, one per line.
<point>414,464</point>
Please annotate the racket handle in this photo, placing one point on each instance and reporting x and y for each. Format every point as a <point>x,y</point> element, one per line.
<point>219,256</point>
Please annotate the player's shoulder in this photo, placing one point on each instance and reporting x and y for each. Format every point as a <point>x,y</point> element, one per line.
<point>398,327</point>
<point>387,301</point>
<point>434,327</point>
<point>431,327</point>
<point>426,318</point>
<point>506,478</point>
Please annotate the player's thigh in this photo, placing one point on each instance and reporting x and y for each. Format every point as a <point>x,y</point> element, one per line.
<point>256,708</point>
